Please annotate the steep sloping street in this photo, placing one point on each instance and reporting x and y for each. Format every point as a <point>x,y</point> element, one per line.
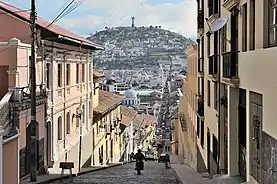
<point>154,173</point>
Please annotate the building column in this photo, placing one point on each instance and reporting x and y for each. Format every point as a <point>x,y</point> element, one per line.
<point>248,137</point>
<point>233,128</point>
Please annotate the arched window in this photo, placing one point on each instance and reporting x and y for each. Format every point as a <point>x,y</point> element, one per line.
<point>60,128</point>
<point>68,123</point>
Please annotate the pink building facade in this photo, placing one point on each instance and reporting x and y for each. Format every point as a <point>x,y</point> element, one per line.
<point>58,52</point>
<point>15,109</point>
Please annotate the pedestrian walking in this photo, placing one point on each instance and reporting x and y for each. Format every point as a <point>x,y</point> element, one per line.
<point>167,161</point>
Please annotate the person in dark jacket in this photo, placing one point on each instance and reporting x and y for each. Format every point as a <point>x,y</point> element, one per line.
<point>139,157</point>
<point>167,161</point>
<point>132,156</point>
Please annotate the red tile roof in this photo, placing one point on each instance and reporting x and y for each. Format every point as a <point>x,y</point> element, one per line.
<point>107,101</point>
<point>25,15</point>
<point>97,74</point>
<point>148,120</point>
<point>128,115</point>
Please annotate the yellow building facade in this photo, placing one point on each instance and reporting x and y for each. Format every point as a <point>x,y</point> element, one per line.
<point>108,139</point>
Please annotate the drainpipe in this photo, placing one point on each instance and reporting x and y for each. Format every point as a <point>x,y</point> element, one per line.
<point>219,91</point>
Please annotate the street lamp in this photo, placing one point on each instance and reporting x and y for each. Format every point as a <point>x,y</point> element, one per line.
<point>79,112</point>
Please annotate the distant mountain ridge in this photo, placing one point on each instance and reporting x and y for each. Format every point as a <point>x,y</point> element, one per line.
<point>138,47</point>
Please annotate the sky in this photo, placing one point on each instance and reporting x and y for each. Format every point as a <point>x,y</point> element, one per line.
<point>94,15</point>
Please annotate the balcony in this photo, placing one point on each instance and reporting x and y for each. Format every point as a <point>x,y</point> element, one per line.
<point>213,67</point>
<point>200,22</point>
<point>230,4</point>
<point>183,122</point>
<point>200,67</point>
<point>230,68</point>
<point>200,107</point>
<point>23,94</point>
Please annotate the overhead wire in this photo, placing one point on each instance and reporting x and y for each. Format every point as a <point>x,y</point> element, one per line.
<point>77,4</point>
<point>58,17</point>
<point>60,14</point>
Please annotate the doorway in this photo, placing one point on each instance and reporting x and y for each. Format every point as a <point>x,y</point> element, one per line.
<point>208,150</point>
<point>49,139</point>
<point>242,133</point>
<point>111,151</point>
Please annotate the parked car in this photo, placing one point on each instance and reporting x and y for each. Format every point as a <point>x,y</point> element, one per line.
<point>149,157</point>
<point>161,158</point>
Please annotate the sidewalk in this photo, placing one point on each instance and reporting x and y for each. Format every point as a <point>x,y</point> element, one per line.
<point>48,178</point>
<point>185,174</point>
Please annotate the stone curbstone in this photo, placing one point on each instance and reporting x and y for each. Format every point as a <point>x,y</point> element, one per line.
<point>80,173</point>
<point>177,176</point>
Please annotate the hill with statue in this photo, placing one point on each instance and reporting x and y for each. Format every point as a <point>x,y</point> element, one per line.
<point>138,47</point>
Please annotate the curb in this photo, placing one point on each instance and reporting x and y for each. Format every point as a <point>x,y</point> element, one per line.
<point>78,174</point>
<point>177,176</point>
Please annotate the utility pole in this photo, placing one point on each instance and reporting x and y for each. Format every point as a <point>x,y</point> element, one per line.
<point>33,150</point>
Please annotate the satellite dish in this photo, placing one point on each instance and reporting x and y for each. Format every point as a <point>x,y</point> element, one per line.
<point>218,24</point>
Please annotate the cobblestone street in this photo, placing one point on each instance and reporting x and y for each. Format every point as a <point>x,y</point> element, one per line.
<point>153,173</point>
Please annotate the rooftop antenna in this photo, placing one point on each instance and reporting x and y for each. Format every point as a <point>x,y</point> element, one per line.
<point>217,24</point>
<point>133,21</point>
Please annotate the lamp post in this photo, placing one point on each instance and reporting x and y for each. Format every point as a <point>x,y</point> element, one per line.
<point>79,112</point>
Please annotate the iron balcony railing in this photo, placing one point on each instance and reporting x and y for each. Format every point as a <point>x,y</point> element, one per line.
<point>200,19</point>
<point>213,65</point>
<point>230,64</point>
<point>200,65</point>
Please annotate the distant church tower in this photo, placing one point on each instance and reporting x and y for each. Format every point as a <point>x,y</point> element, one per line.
<point>133,21</point>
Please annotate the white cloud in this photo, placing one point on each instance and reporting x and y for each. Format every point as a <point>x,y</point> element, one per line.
<point>179,17</point>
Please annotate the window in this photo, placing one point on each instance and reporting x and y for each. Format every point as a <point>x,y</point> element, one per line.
<point>60,128</point>
<point>213,7</point>
<point>209,93</point>
<point>202,47</point>
<point>77,122</point>
<point>83,73</point>
<point>68,123</point>
<point>94,88</point>
<point>67,74</point>
<point>215,95</point>
<point>198,85</point>
<point>272,25</point>
<point>224,38</point>
<point>48,75</point>
<point>59,75</point>
<point>90,110</point>
<point>244,27</point>
<point>198,126</point>
<point>252,25</point>
<point>202,134</point>
<point>77,74</point>
<point>84,114</point>
<point>208,43</point>
<point>89,72</point>
<point>215,147</point>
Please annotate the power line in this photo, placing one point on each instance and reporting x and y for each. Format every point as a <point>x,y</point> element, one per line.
<point>60,14</point>
<point>77,4</point>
